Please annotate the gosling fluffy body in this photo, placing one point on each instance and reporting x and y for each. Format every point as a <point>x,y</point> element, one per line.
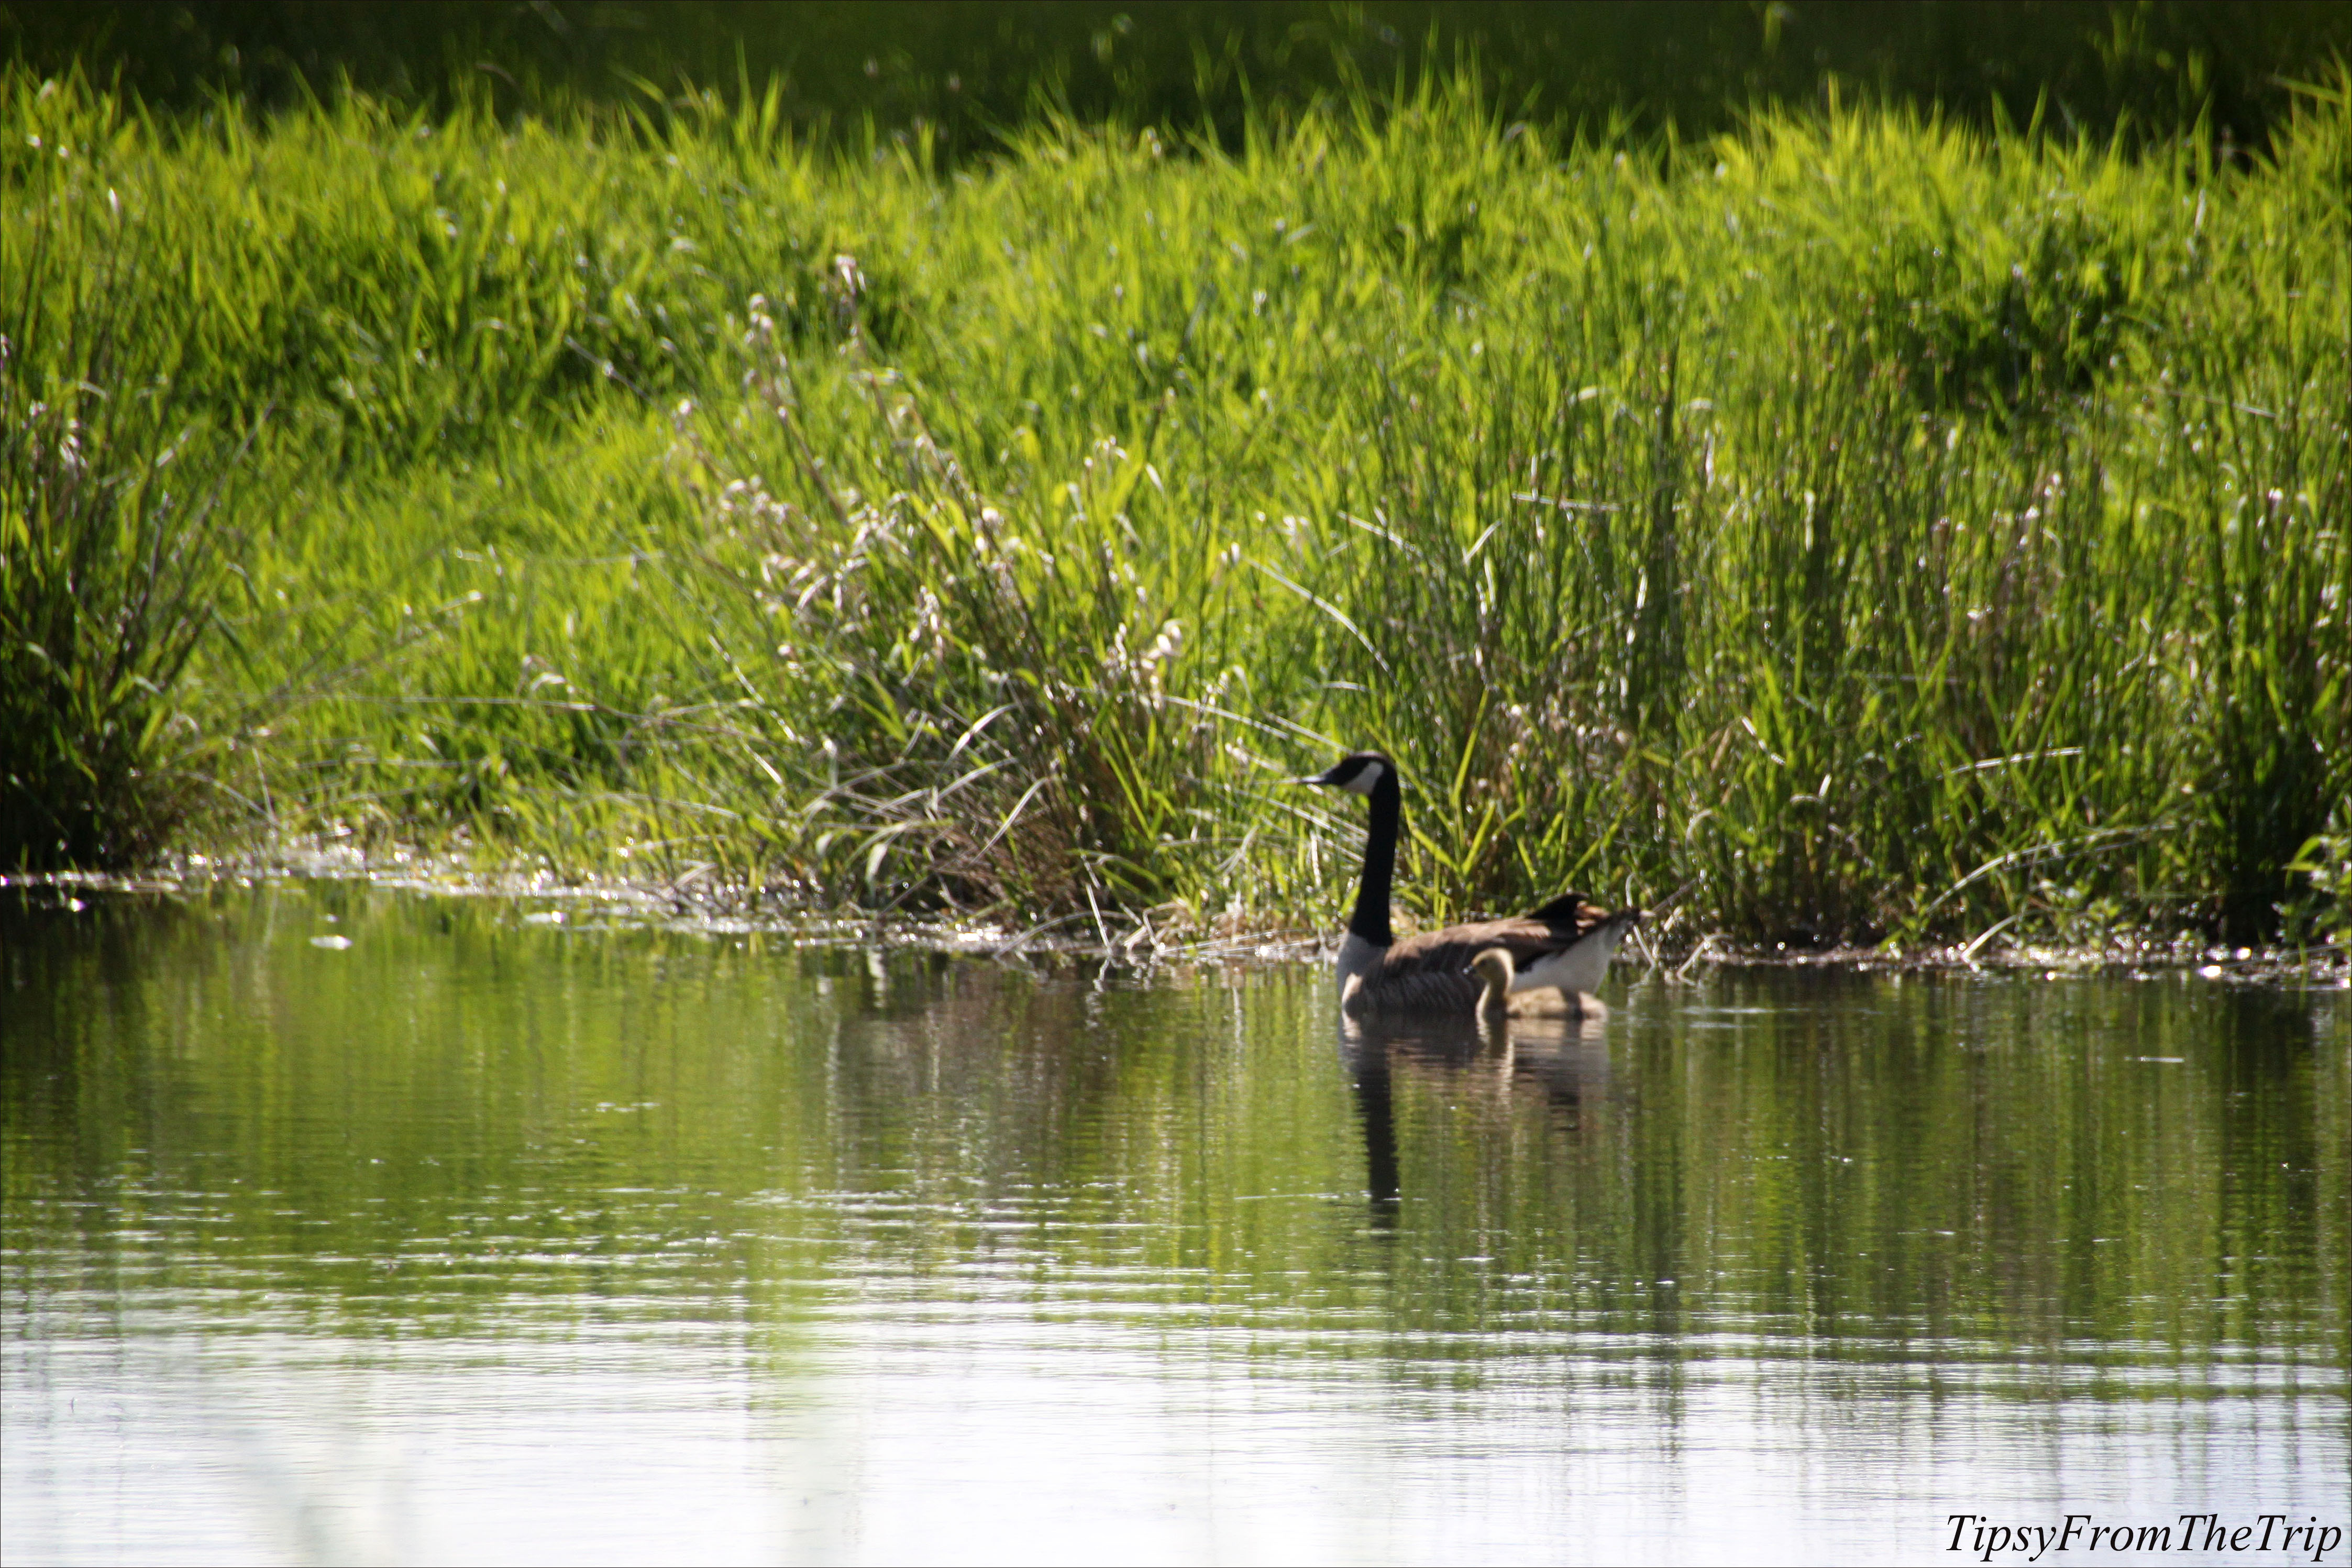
<point>1496,1000</point>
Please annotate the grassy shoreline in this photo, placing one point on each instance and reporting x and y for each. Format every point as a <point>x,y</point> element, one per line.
<point>1899,528</point>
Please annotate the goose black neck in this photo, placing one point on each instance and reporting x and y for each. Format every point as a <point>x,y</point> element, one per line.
<point>1371,919</point>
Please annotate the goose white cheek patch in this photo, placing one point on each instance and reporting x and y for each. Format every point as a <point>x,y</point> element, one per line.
<point>1365,782</point>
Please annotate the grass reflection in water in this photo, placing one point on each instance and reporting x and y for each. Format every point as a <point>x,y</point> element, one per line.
<point>484,1237</point>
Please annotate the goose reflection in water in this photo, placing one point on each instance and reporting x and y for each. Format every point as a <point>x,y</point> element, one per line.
<point>1493,1065</point>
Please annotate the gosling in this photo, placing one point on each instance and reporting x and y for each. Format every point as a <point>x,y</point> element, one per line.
<point>1496,972</point>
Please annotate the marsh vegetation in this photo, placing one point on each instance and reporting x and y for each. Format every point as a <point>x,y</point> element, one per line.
<point>1902,526</point>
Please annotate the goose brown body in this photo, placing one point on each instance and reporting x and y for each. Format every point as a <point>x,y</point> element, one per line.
<point>1432,971</point>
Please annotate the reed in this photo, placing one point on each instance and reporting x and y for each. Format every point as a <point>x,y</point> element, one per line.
<point>117,535</point>
<point>1902,528</point>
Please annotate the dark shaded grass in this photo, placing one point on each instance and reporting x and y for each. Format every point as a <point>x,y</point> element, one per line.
<point>965,73</point>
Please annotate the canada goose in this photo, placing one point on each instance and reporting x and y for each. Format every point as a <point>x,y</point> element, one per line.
<point>1496,972</point>
<point>1565,945</point>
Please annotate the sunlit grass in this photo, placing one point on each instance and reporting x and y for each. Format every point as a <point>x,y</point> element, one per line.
<point>1898,529</point>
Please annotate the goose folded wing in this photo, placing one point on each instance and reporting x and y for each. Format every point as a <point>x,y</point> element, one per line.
<point>1449,952</point>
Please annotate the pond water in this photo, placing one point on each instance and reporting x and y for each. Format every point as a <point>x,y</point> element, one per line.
<point>350,1223</point>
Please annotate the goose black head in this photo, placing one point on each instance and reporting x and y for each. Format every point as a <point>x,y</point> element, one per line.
<point>1357,771</point>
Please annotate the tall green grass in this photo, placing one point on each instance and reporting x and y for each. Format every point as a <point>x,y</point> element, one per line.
<point>1901,530</point>
<point>117,532</point>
